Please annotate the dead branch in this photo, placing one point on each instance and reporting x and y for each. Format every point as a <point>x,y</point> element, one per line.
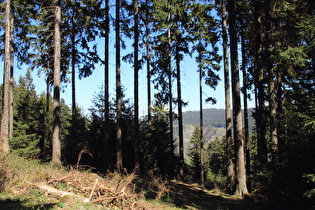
<point>84,150</point>
<point>96,181</point>
<point>60,179</point>
<point>108,198</point>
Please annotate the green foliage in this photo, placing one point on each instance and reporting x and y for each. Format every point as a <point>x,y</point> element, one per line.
<point>216,156</point>
<point>156,145</point>
<point>215,180</point>
<point>27,113</point>
<point>281,42</point>
<point>26,145</point>
<point>310,179</point>
<point>194,153</point>
<point>96,134</point>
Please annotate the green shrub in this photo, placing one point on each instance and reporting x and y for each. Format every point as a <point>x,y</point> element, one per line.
<point>26,145</point>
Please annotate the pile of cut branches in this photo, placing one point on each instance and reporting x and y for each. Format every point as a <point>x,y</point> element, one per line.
<point>113,190</point>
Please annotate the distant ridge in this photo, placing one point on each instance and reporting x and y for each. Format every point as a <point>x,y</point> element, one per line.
<point>213,125</point>
<point>211,118</point>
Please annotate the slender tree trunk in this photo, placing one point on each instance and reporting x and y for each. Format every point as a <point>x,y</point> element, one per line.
<point>272,90</point>
<point>136,85</point>
<point>118,93</point>
<point>46,128</point>
<point>106,86</point>
<point>11,95</point>
<point>261,118</point>
<point>180,115</point>
<point>246,130</point>
<point>241,187</point>
<point>5,123</point>
<point>170,87</point>
<point>73,62</point>
<point>202,172</point>
<point>228,120</point>
<point>273,116</point>
<point>282,122</point>
<point>147,33</point>
<point>56,149</point>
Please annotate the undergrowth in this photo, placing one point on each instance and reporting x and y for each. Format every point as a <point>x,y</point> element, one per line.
<point>30,184</point>
<point>27,184</point>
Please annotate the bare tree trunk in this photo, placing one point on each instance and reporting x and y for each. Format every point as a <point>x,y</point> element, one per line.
<point>73,62</point>
<point>136,86</point>
<point>170,88</point>
<point>273,116</point>
<point>272,90</point>
<point>228,120</point>
<point>56,149</point>
<point>118,93</point>
<point>5,123</point>
<point>46,116</point>
<point>246,131</point>
<point>148,65</point>
<point>202,172</point>
<point>180,115</point>
<point>241,187</point>
<point>106,86</point>
<point>261,118</point>
<point>11,95</point>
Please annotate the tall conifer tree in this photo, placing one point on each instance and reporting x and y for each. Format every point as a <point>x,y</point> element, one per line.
<point>240,172</point>
<point>118,93</point>
<point>5,120</point>
<point>56,151</point>
<point>228,119</point>
<point>136,84</point>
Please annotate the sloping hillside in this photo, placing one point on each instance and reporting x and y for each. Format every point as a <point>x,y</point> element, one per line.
<point>213,125</point>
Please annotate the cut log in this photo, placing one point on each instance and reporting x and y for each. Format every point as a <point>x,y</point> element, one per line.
<point>49,190</point>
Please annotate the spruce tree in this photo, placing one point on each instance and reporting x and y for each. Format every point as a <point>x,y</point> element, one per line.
<point>118,93</point>
<point>56,147</point>
<point>228,119</point>
<point>4,135</point>
<point>240,171</point>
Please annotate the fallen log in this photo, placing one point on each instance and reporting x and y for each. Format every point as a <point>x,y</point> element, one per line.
<point>49,190</point>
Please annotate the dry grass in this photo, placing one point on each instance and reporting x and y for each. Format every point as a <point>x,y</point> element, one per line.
<point>23,180</point>
<point>34,185</point>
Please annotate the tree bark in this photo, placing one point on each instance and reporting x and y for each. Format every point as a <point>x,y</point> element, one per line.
<point>241,187</point>
<point>106,86</point>
<point>272,87</point>
<point>180,115</point>
<point>261,118</point>
<point>202,172</point>
<point>147,32</point>
<point>5,123</point>
<point>170,87</point>
<point>56,149</point>
<point>11,94</point>
<point>73,79</point>
<point>118,93</point>
<point>228,120</point>
<point>136,85</point>
<point>246,129</point>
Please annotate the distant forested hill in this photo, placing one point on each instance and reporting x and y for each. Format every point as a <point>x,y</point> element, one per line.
<point>211,118</point>
<point>213,124</point>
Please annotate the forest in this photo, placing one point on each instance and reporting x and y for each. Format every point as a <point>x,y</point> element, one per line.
<point>264,48</point>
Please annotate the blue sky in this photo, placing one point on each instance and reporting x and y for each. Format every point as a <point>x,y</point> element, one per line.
<point>86,88</point>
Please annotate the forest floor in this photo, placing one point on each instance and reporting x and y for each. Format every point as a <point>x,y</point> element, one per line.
<point>28,184</point>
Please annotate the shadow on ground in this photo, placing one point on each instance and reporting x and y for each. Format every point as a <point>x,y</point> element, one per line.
<point>17,205</point>
<point>193,197</point>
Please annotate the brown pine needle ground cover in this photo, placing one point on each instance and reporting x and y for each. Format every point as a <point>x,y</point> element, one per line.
<point>26,184</point>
